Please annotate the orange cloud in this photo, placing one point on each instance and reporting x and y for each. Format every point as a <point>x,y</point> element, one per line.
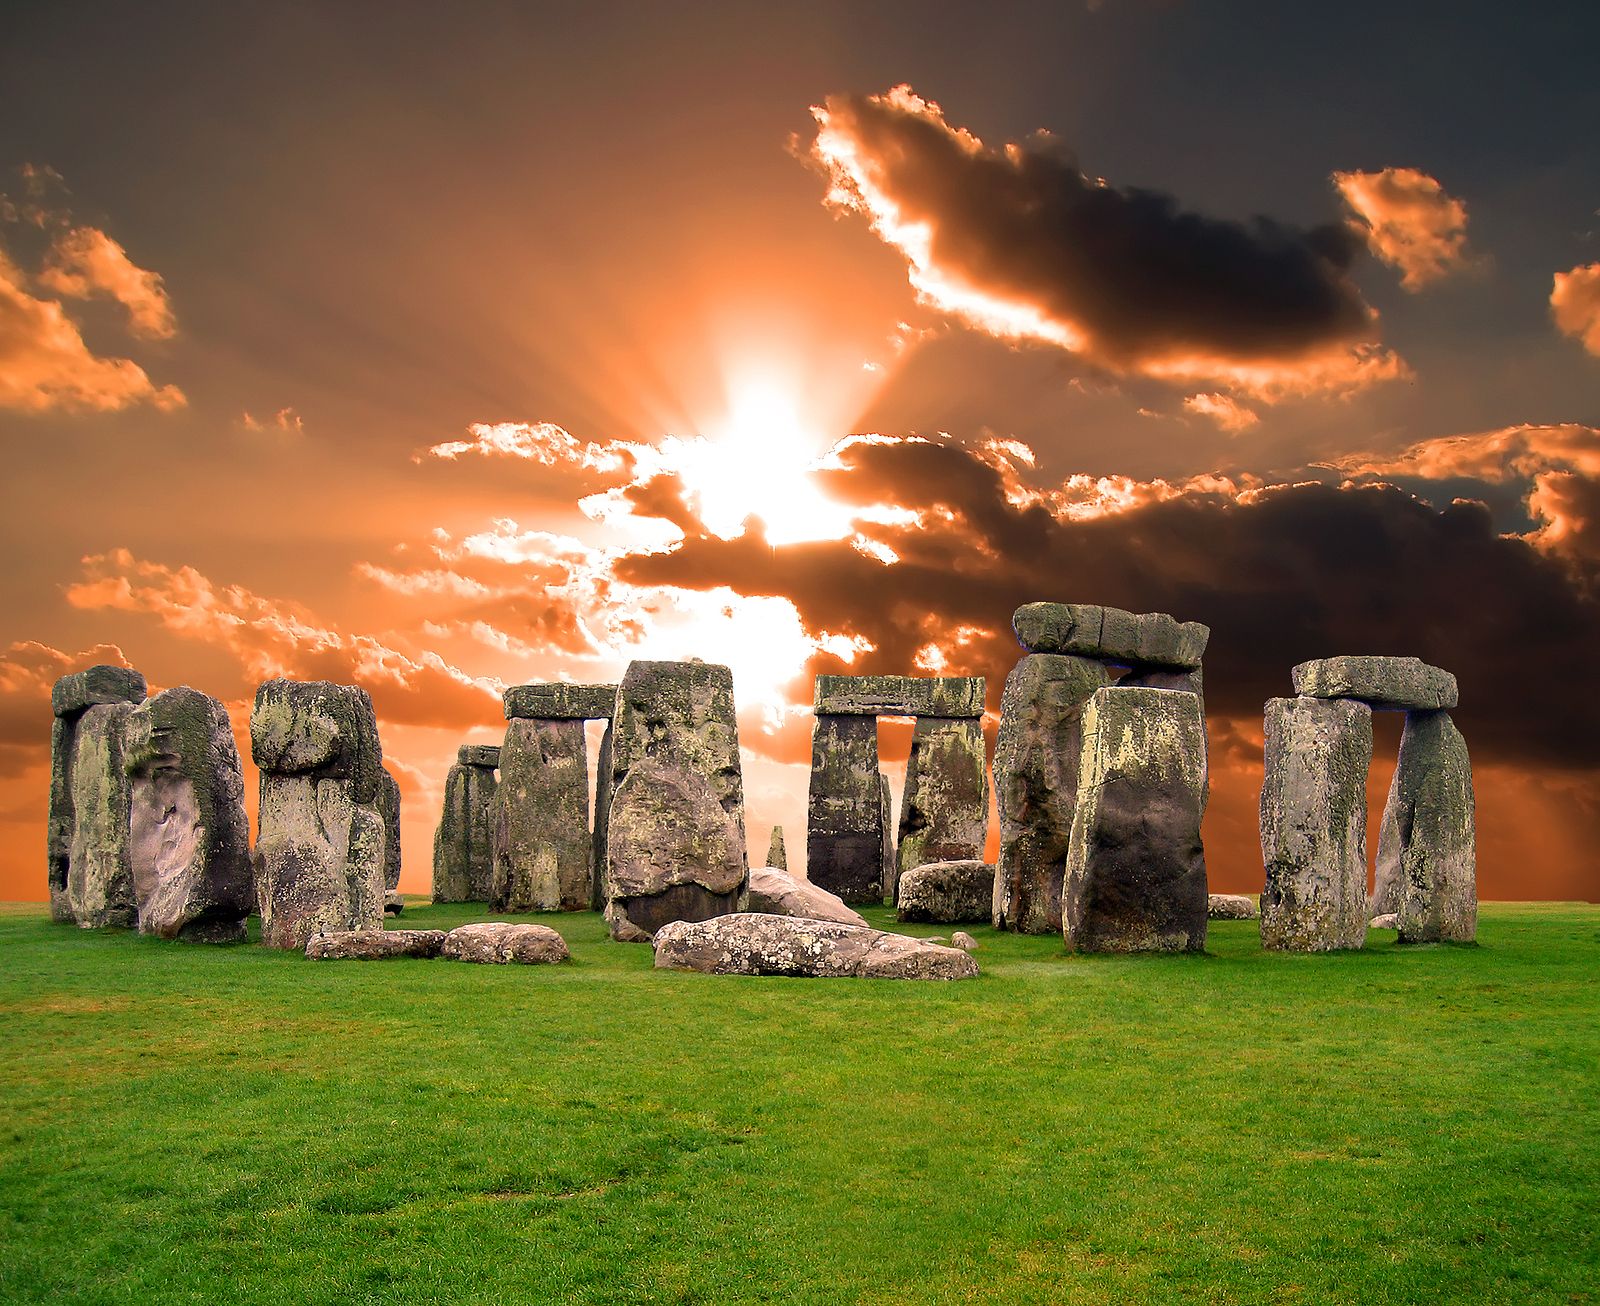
<point>1226,412</point>
<point>285,420</point>
<point>1575,301</point>
<point>84,261</point>
<point>1495,456</point>
<point>543,443</point>
<point>1408,221</point>
<point>27,671</point>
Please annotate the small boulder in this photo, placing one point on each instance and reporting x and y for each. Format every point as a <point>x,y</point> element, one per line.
<point>778,893</point>
<point>1388,921</point>
<point>961,939</point>
<point>393,903</point>
<point>760,944</point>
<point>946,893</point>
<point>1231,907</point>
<point>373,945</point>
<point>499,942</point>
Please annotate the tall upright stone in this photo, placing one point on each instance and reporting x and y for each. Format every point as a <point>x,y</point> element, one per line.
<point>543,852</point>
<point>604,784</point>
<point>389,809</point>
<point>1136,872</point>
<point>1427,851</point>
<point>676,839</point>
<point>100,865</point>
<point>70,698</point>
<point>1314,824</point>
<point>944,812</point>
<point>777,854</point>
<point>463,855</point>
<point>846,814</point>
<point>1036,759</point>
<point>189,839</point>
<point>319,857</point>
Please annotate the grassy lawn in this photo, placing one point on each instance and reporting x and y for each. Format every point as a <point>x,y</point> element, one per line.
<point>233,1124</point>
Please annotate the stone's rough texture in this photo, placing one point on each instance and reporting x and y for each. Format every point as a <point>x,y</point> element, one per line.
<point>681,713</point>
<point>886,828</point>
<point>373,945</point>
<point>943,696</point>
<point>777,893</point>
<point>393,903</point>
<point>961,939</point>
<point>1036,758</point>
<point>1381,682</point>
<point>1231,907</point>
<point>543,858</point>
<point>947,893</point>
<point>189,839</point>
<point>777,854</point>
<point>559,701</point>
<point>675,852</point>
<point>463,867</point>
<point>944,811</point>
<point>846,818</point>
<point>604,787</point>
<point>388,805</point>
<point>1314,824</point>
<point>1427,849</point>
<point>1188,682</point>
<point>319,860</point>
<point>101,684</point>
<point>99,888</point>
<point>1387,921</point>
<point>1136,869</point>
<point>498,943</point>
<point>487,755</point>
<point>758,944</point>
<point>1150,639</point>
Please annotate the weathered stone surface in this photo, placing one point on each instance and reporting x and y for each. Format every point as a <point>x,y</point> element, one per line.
<point>393,903</point>
<point>559,701</point>
<point>1380,682</point>
<point>99,684</point>
<point>777,854</point>
<point>961,939</point>
<point>99,888</point>
<point>486,755</point>
<point>463,857</point>
<point>948,893</point>
<point>681,713</point>
<point>944,811</point>
<point>942,696</point>
<point>189,839</point>
<point>675,852</point>
<point>777,893</point>
<point>604,787</point>
<point>759,944</point>
<point>1427,848</point>
<point>319,860</point>
<point>1387,921</point>
<point>1148,639</point>
<point>1314,824</point>
<point>1232,907</point>
<point>498,943</point>
<point>886,829</point>
<point>543,852</point>
<point>1136,869</point>
<point>373,945</point>
<point>1036,758</point>
<point>388,805</point>
<point>1187,682</point>
<point>846,816</point>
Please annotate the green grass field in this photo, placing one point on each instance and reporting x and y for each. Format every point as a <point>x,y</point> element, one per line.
<point>233,1124</point>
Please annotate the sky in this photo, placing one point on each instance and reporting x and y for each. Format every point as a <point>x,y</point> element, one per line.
<point>435,349</point>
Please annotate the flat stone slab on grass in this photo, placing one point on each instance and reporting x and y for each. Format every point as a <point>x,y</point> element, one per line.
<point>775,892</point>
<point>559,701</point>
<point>758,944</point>
<point>500,942</point>
<point>373,945</point>
<point>1398,684</point>
<point>1141,639</point>
<point>1231,907</point>
<point>941,696</point>
<point>948,893</point>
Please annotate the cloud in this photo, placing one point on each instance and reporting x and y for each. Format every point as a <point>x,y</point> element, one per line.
<point>1495,457</point>
<point>285,420</point>
<point>542,443</point>
<point>1575,302</point>
<point>1229,414</point>
<point>84,261</point>
<point>1408,221</point>
<point>1020,243</point>
<point>28,669</point>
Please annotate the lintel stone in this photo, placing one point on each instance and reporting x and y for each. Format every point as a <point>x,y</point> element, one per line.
<point>478,755</point>
<point>1398,684</point>
<point>933,696</point>
<point>559,701</point>
<point>1147,639</point>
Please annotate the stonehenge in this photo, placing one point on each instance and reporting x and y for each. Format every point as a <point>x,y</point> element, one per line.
<point>462,852</point>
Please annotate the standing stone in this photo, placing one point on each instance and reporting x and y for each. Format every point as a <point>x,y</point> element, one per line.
<point>99,889</point>
<point>1427,853</point>
<point>389,809</point>
<point>319,857</point>
<point>777,856</point>
<point>189,839</point>
<point>1036,758</point>
<point>70,698</point>
<point>1136,869</point>
<point>1187,682</point>
<point>462,845</point>
<point>944,813</point>
<point>846,811</point>
<point>603,788</point>
<point>675,839</point>
<point>1314,824</point>
<point>543,856</point>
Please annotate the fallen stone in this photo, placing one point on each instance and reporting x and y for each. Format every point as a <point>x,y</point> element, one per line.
<point>758,944</point>
<point>1381,682</point>
<point>1387,921</point>
<point>1427,844</point>
<point>777,855</point>
<point>393,903</point>
<point>1314,824</point>
<point>846,820</point>
<point>498,942</point>
<point>1149,639</point>
<point>1231,907</point>
<point>463,854</point>
<point>938,696</point>
<point>99,888</point>
<point>1036,758</point>
<point>944,811</point>
<point>189,839</point>
<point>373,945</point>
<point>946,893</point>
<point>775,892</point>
<point>1136,869</point>
<point>961,939</point>
<point>559,701</point>
<point>388,805</point>
<point>82,690</point>
<point>542,849</point>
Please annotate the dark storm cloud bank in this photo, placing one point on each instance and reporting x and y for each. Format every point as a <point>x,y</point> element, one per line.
<point>1280,574</point>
